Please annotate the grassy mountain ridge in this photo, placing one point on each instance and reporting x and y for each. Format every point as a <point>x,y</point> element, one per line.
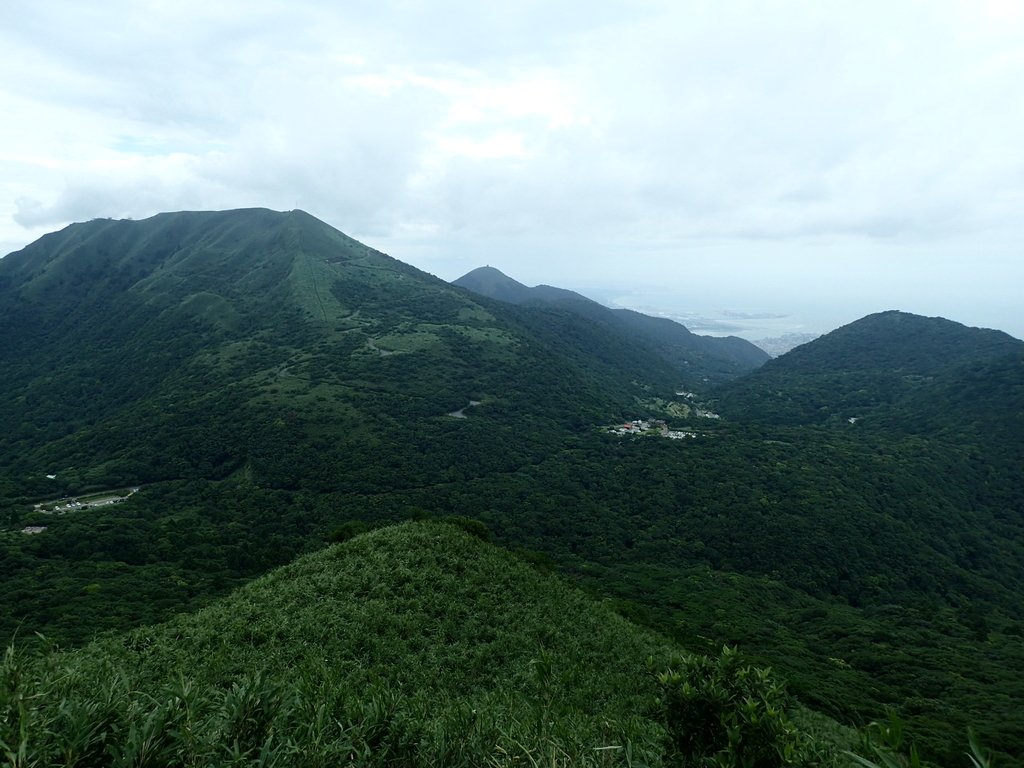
<point>477,608</point>
<point>411,645</point>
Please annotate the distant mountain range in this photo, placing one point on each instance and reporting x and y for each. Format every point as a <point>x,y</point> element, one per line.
<point>698,357</point>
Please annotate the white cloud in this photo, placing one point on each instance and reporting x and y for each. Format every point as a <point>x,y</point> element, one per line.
<point>683,134</point>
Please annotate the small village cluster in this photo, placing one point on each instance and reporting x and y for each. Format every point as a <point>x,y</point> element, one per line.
<point>74,505</point>
<point>651,427</point>
<point>65,505</point>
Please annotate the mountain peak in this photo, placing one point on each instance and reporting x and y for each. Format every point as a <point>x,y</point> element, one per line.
<point>907,342</point>
<point>492,282</point>
<point>490,273</point>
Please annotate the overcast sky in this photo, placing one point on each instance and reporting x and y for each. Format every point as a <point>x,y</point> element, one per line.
<point>802,162</point>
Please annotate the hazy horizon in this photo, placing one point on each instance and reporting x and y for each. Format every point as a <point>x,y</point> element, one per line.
<point>706,304</point>
<point>818,161</point>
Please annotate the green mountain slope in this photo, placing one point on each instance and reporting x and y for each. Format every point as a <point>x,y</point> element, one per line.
<point>864,368</point>
<point>411,645</point>
<point>699,359</point>
<point>175,346</point>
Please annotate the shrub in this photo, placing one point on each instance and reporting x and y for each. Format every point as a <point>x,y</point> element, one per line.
<point>721,712</point>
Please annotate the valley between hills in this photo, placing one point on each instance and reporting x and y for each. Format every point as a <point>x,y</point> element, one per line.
<point>342,512</point>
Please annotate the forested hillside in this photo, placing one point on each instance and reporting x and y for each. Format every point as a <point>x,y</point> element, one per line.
<point>194,399</point>
<point>873,367</point>
<point>202,344</point>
